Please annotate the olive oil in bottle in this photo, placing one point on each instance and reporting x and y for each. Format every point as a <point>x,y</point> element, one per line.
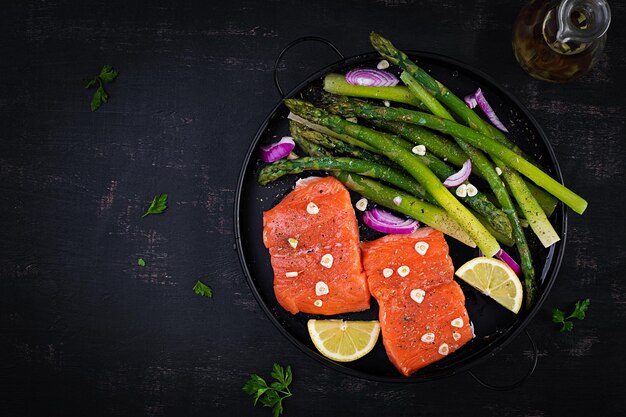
<point>559,41</point>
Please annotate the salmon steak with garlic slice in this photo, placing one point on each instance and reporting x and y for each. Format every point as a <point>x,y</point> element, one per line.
<point>422,310</point>
<point>313,240</point>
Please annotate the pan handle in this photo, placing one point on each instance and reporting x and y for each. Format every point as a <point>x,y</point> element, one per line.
<point>291,45</point>
<point>515,384</point>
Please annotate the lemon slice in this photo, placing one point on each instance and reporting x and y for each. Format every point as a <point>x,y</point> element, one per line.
<point>495,279</point>
<point>344,341</point>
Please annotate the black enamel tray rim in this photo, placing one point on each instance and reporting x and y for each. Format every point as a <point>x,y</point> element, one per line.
<point>480,355</point>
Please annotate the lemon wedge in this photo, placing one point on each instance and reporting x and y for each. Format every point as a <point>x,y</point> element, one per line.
<point>495,279</point>
<point>344,341</point>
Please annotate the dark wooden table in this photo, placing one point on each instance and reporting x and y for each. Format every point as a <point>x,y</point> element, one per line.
<point>85,331</point>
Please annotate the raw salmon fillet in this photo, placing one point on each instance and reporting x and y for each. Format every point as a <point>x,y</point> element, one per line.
<point>329,227</point>
<point>422,314</point>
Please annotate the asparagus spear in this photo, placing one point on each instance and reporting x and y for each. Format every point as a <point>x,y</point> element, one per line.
<point>436,165</point>
<point>272,172</point>
<point>484,166</point>
<point>474,138</point>
<point>309,148</point>
<point>336,84</point>
<point>407,160</point>
<point>322,129</point>
<point>320,137</point>
<point>437,144</point>
<point>336,145</point>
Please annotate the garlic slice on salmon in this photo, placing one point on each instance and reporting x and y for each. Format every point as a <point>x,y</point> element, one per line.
<point>421,248</point>
<point>457,322</point>
<point>321,288</point>
<point>312,208</point>
<point>327,260</point>
<point>428,337</point>
<point>404,270</point>
<point>418,295</point>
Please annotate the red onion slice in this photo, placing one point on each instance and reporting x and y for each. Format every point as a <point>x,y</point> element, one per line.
<point>479,98</point>
<point>460,177</point>
<point>277,150</point>
<point>388,218</point>
<point>504,257</point>
<point>371,78</point>
<point>385,222</point>
<point>470,101</point>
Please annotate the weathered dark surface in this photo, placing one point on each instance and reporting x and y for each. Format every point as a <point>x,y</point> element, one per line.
<point>83,330</point>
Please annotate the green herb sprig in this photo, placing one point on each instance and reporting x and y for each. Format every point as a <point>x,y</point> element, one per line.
<point>158,205</point>
<point>107,75</point>
<point>271,395</point>
<point>141,262</point>
<point>579,313</point>
<point>202,289</point>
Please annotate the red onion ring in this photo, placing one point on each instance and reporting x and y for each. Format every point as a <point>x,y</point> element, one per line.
<point>506,258</point>
<point>385,222</point>
<point>470,101</point>
<point>277,150</point>
<point>459,177</point>
<point>479,98</point>
<point>371,78</point>
<point>388,218</point>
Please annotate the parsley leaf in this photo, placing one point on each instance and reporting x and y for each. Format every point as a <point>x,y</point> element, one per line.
<point>558,316</point>
<point>158,205</point>
<point>107,75</point>
<point>273,395</point>
<point>99,97</point>
<point>270,398</point>
<point>567,326</point>
<point>278,373</point>
<point>91,83</point>
<point>580,309</point>
<point>202,289</point>
<point>579,313</point>
<point>278,409</point>
<point>141,262</point>
<point>255,386</point>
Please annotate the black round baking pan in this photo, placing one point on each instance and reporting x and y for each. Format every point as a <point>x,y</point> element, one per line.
<point>495,327</point>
